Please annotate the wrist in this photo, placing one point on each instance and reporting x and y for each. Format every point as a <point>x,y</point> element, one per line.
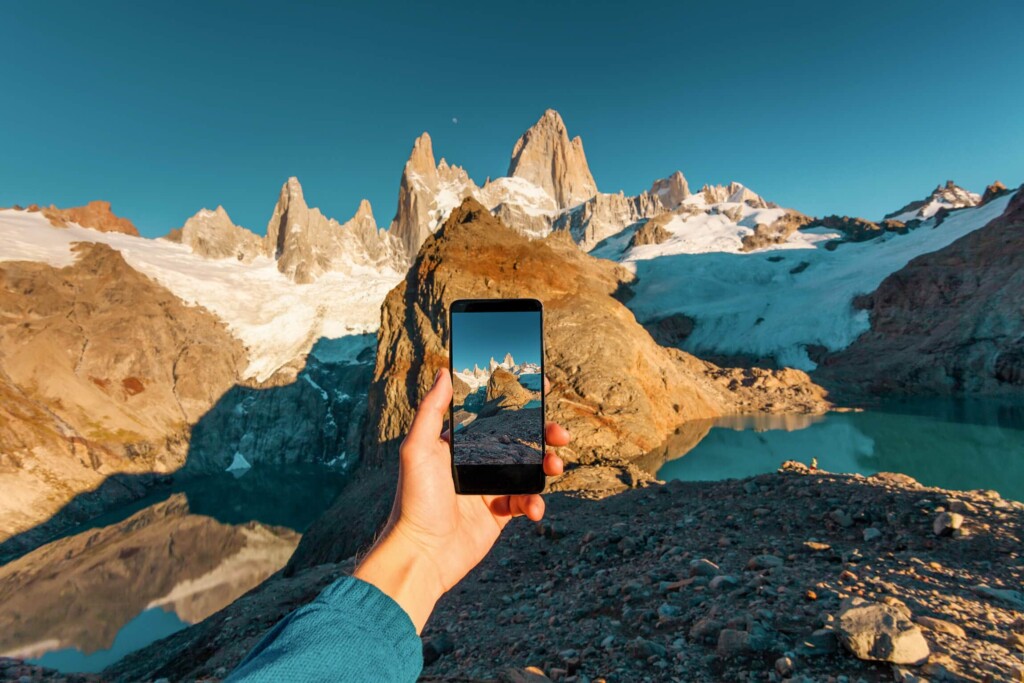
<point>400,570</point>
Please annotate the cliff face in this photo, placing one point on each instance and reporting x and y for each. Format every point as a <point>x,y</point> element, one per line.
<point>949,322</point>
<point>101,372</point>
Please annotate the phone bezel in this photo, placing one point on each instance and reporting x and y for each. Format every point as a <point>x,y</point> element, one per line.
<point>496,479</point>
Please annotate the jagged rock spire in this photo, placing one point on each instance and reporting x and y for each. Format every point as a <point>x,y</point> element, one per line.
<point>546,157</point>
<point>307,244</point>
<point>672,190</point>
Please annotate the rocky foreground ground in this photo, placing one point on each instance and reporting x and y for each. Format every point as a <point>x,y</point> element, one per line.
<point>510,436</point>
<point>800,576</point>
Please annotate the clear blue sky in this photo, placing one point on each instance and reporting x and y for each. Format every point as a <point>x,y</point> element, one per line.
<point>478,337</point>
<point>164,108</point>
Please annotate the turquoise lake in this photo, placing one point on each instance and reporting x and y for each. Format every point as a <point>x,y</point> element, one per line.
<point>952,444</point>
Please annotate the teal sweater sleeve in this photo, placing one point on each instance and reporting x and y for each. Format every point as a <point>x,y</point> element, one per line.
<point>351,632</point>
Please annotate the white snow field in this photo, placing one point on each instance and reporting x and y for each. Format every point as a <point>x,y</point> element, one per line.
<point>752,304</point>
<point>277,319</point>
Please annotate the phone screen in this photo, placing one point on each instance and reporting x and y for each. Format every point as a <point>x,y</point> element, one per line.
<point>497,416</point>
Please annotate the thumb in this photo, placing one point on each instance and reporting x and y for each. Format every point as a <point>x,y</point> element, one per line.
<point>429,420</point>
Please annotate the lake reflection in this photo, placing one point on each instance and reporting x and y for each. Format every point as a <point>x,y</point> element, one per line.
<point>82,602</point>
<point>954,444</point>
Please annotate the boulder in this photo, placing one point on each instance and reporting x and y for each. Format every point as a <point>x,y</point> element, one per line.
<point>504,391</point>
<point>945,523</point>
<point>881,632</point>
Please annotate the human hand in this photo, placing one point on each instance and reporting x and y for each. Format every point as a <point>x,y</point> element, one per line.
<point>434,537</point>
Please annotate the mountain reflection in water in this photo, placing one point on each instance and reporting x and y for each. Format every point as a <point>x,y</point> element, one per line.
<point>954,444</point>
<point>82,602</point>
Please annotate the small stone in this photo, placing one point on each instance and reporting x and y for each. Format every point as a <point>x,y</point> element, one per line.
<point>669,611</point>
<point>945,523</point>
<point>941,626</point>
<point>821,642</point>
<point>784,666</point>
<point>751,488</point>
<point>723,582</point>
<point>641,648</point>
<point>810,594</point>
<point>1015,641</point>
<point>530,674</point>
<point>732,643</point>
<point>607,641</point>
<point>704,567</point>
<point>816,547</point>
<point>871,534</point>
<point>961,506</point>
<point>881,633</point>
<point>435,647</point>
<point>705,628</point>
<point>764,562</point>
<point>841,518</point>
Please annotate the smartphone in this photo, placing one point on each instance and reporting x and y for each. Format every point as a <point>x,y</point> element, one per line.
<point>496,420</point>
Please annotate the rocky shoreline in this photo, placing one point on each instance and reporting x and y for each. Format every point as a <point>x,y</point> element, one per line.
<point>799,575</point>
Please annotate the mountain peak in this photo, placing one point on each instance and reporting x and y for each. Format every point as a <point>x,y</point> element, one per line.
<point>293,189</point>
<point>364,210</point>
<point>545,156</point>
<point>947,196</point>
<point>672,190</point>
<point>212,234</point>
<point>421,160</point>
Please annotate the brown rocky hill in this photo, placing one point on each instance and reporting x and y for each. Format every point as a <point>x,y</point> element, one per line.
<point>949,322</point>
<point>620,394</point>
<point>102,371</point>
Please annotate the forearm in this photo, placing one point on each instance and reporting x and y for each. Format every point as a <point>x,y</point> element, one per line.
<point>404,573</point>
<point>351,632</point>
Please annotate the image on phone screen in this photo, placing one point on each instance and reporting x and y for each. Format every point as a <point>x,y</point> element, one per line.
<point>498,410</point>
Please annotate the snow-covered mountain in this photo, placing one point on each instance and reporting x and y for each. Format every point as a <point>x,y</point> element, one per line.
<point>478,377</point>
<point>784,302</point>
<point>722,256</point>
<point>276,319</point>
<point>549,187</point>
<point>949,196</point>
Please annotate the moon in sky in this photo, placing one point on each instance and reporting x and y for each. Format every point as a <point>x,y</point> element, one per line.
<point>455,119</point>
